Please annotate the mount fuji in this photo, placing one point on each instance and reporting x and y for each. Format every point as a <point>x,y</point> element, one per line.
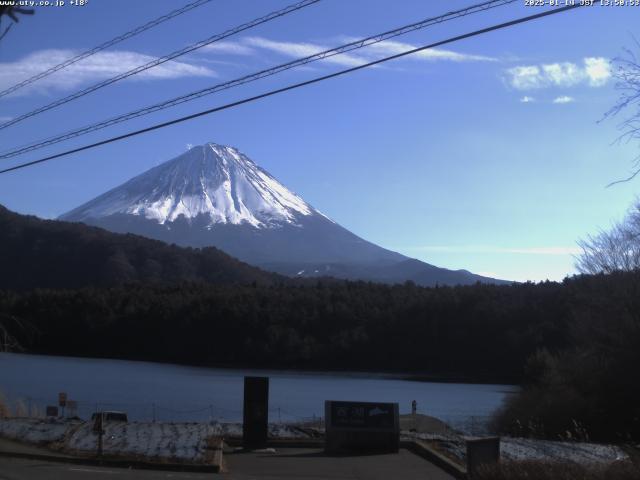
<point>213,195</point>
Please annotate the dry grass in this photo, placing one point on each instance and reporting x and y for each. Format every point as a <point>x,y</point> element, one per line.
<point>540,470</point>
<point>20,409</point>
<point>36,412</point>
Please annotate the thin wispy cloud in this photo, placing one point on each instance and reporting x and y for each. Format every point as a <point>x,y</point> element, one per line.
<point>527,99</point>
<point>563,99</point>
<point>256,44</point>
<point>229,47</point>
<point>390,47</point>
<point>499,250</point>
<point>5,119</point>
<point>301,49</point>
<point>97,67</point>
<point>594,72</point>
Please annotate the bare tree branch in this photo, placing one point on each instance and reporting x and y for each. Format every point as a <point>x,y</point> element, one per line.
<point>11,12</point>
<point>627,74</point>
<point>613,250</point>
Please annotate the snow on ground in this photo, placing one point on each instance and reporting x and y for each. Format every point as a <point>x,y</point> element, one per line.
<point>177,442</point>
<point>35,430</point>
<point>283,430</point>
<point>531,449</point>
<point>190,442</point>
<point>580,452</point>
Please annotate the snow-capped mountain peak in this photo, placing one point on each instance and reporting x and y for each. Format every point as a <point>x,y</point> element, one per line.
<point>214,196</point>
<point>212,180</point>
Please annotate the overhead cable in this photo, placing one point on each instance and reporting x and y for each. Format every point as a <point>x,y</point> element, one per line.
<point>358,44</point>
<point>102,46</point>
<point>159,61</point>
<point>295,86</point>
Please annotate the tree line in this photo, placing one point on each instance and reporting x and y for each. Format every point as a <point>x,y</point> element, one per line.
<point>573,345</point>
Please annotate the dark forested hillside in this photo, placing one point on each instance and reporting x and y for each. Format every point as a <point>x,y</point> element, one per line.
<point>590,388</point>
<point>37,253</point>
<point>476,332</point>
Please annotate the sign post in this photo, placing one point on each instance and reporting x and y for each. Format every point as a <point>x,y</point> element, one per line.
<point>52,411</point>
<point>361,426</point>
<point>62,401</point>
<point>255,412</point>
<point>98,427</point>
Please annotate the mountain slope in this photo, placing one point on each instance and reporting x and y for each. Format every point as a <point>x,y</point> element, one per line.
<point>215,195</point>
<point>37,253</point>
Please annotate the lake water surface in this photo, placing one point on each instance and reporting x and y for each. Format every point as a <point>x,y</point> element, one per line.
<point>182,393</point>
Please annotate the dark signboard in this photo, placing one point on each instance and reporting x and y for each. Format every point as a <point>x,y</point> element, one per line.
<point>362,415</point>
<point>255,412</point>
<point>361,426</point>
<point>52,411</point>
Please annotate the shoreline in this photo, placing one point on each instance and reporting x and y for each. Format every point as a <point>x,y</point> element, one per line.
<point>421,377</point>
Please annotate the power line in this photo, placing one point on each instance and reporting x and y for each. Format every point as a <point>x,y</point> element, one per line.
<point>258,75</point>
<point>107,44</point>
<point>296,85</point>
<point>158,61</point>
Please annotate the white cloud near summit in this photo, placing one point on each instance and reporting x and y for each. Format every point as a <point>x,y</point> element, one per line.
<point>594,72</point>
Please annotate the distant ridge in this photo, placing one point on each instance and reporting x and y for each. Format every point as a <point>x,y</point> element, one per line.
<point>36,253</point>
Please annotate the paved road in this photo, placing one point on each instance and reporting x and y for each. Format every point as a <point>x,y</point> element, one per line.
<point>18,447</point>
<point>19,469</point>
<point>287,463</point>
<point>307,463</point>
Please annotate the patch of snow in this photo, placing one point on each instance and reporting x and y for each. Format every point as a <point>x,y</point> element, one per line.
<point>513,448</point>
<point>580,452</point>
<point>34,430</point>
<point>175,441</point>
<point>179,442</point>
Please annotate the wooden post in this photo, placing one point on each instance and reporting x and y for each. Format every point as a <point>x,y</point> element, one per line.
<point>482,451</point>
<point>255,412</point>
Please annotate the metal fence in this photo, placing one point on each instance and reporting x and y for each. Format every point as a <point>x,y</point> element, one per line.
<point>458,424</point>
<point>26,406</point>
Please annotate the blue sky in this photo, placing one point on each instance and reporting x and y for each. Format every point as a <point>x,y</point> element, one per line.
<point>485,155</point>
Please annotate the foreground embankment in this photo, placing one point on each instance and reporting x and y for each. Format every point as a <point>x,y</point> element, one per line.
<point>159,442</point>
<point>195,442</point>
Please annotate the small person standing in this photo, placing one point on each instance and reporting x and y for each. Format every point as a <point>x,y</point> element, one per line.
<point>414,407</point>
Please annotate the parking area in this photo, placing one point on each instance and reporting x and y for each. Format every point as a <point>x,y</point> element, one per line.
<point>313,463</point>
